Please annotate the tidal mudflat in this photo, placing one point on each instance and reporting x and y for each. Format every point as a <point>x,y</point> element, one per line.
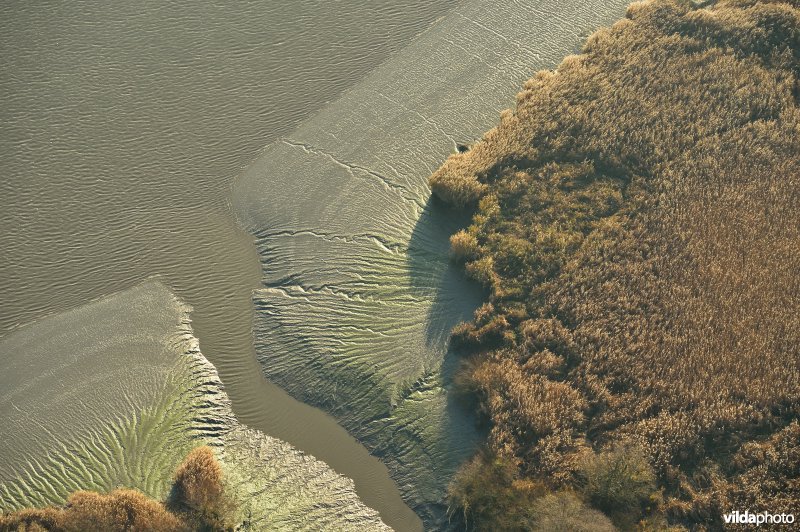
<point>123,127</point>
<point>115,392</point>
<point>359,295</point>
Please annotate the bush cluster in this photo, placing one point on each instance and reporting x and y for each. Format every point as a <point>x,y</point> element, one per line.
<point>635,221</point>
<point>197,502</point>
<point>489,494</point>
<point>198,491</point>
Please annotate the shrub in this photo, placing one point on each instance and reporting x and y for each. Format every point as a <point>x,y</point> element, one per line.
<point>463,246</point>
<point>197,502</point>
<point>564,512</point>
<point>488,495</point>
<point>32,520</point>
<point>121,510</point>
<point>198,490</point>
<point>198,480</point>
<point>482,270</point>
<point>618,480</point>
<point>457,190</point>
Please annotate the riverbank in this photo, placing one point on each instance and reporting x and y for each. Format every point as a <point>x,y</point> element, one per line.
<point>634,221</point>
<point>359,295</point>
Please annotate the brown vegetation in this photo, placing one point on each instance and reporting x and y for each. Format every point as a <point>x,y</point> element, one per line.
<point>637,225</point>
<point>198,492</point>
<point>120,510</point>
<point>490,494</point>
<point>198,505</point>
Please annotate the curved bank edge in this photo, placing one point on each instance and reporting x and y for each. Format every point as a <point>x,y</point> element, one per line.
<point>358,294</point>
<point>116,392</point>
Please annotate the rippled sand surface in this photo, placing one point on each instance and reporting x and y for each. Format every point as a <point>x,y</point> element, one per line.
<point>122,126</point>
<point>122,129</point>
<point>116,392</point>
<point>359,295</point>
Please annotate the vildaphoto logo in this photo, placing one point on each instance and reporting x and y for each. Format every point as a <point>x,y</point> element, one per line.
<point>758,519</point>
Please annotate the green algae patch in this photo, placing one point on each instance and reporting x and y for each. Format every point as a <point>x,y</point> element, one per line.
<point>140,397</point>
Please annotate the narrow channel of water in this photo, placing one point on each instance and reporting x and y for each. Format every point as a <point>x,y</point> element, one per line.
<point>123,125</point>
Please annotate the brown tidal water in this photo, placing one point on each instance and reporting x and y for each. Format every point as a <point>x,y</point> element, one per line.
<point>122,126</point>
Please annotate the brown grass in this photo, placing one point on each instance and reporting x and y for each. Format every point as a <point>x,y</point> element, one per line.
<point>637,224</point>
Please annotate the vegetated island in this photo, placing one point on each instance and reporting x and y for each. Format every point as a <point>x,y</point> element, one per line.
<point>636,224</point>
